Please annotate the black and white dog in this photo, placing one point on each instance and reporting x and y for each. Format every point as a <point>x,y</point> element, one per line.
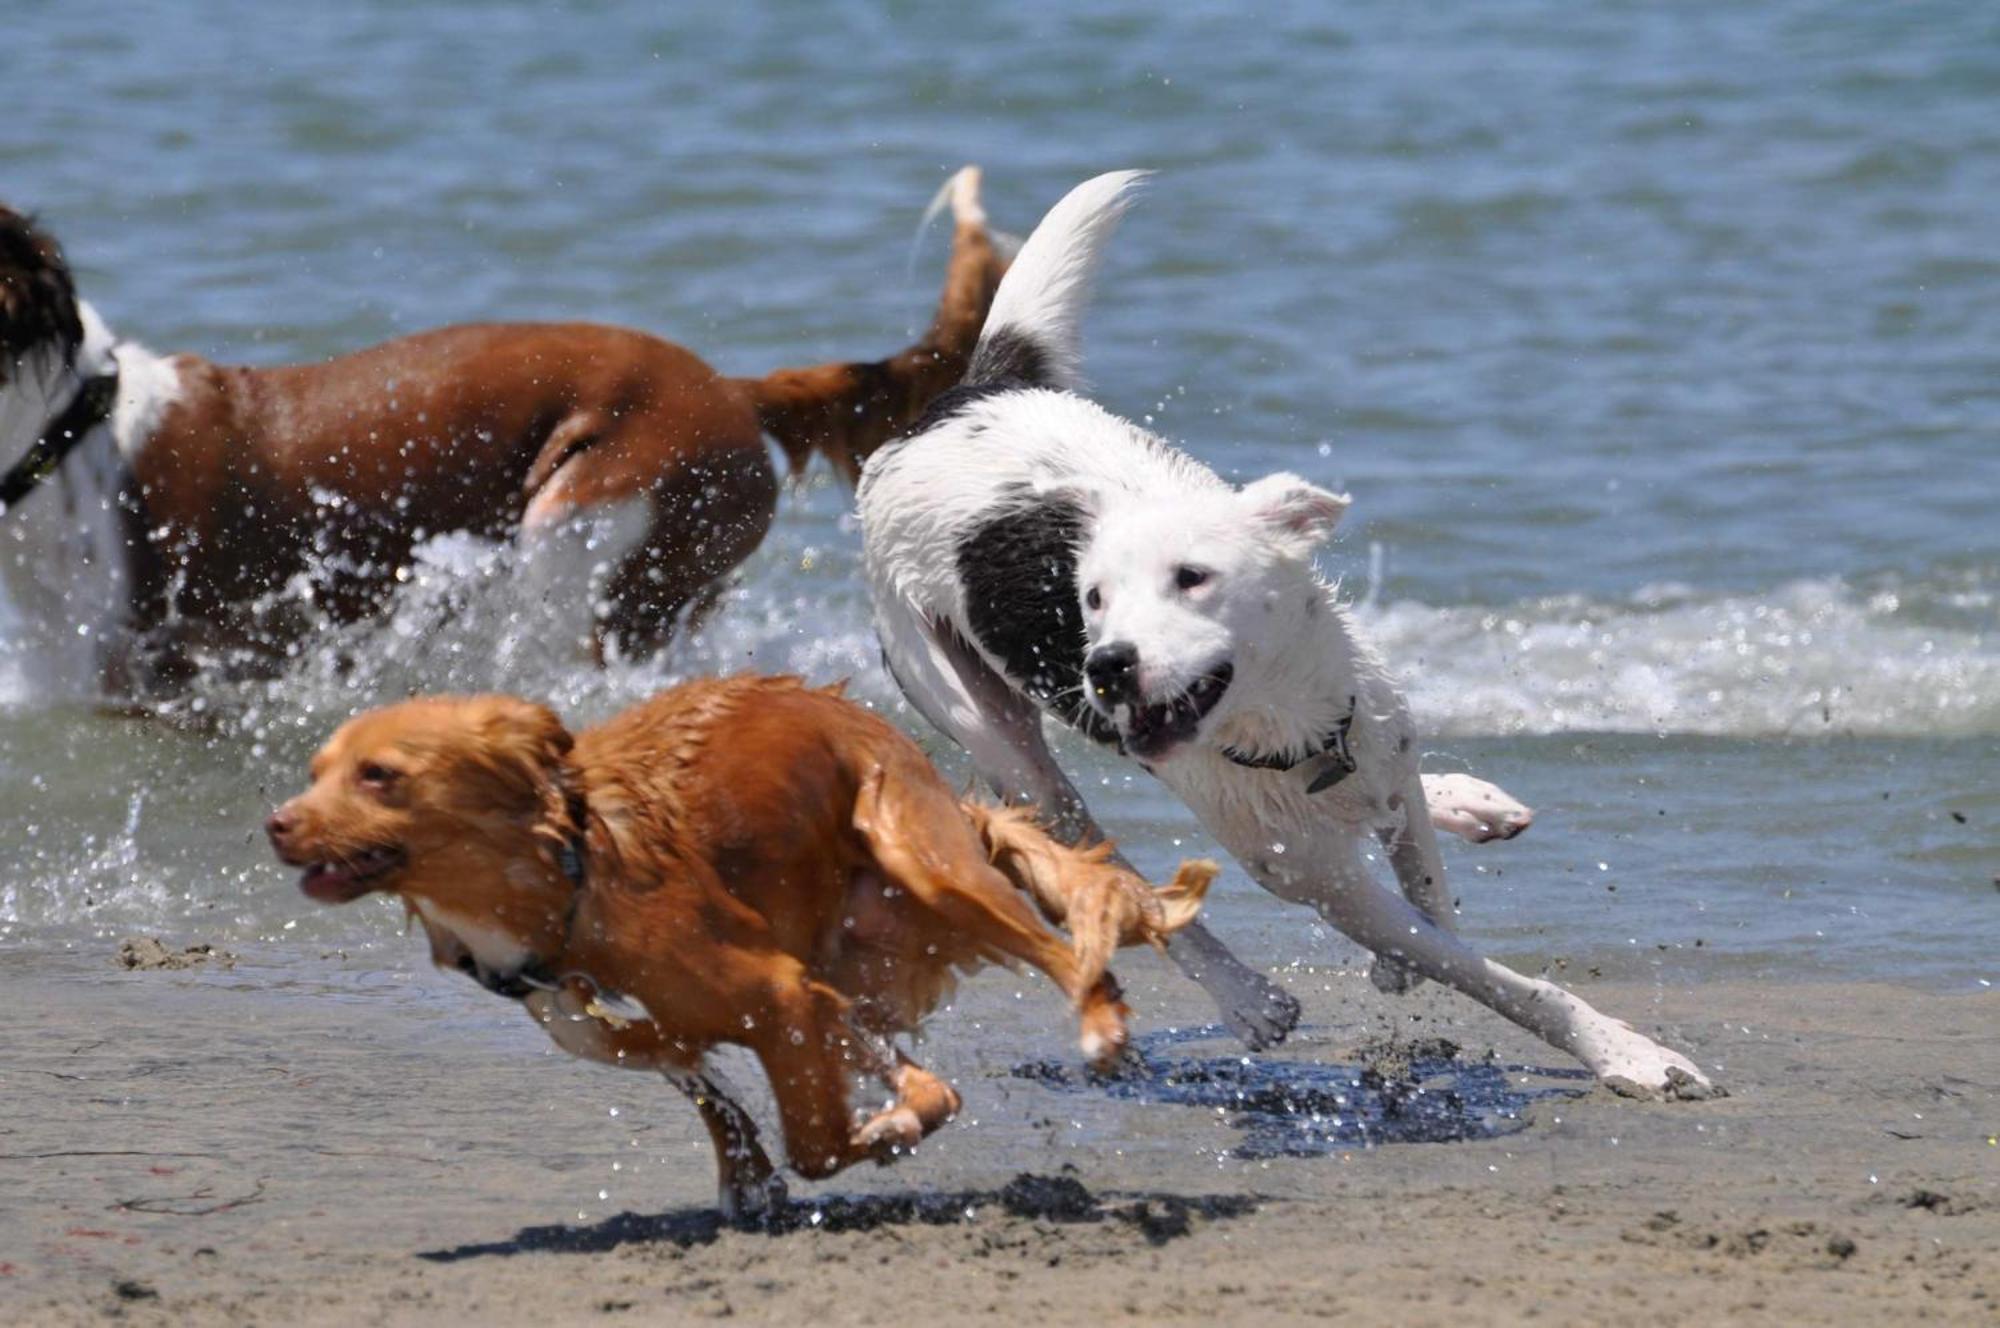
<point>1030,552</point>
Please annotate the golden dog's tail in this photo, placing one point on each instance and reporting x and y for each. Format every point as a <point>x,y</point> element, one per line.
<point>845,411</point>
<point>1102,904</point>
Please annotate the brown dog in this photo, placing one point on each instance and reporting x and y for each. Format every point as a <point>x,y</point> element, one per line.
<point>191,497</point>
<point>739,861</point>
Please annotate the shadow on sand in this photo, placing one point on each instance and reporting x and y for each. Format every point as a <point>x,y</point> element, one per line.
<point>1157,1218</point>
<point>1395,1092</point>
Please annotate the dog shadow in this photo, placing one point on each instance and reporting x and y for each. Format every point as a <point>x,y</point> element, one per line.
<point>1393,1092</point>
<point>1157,1218</point>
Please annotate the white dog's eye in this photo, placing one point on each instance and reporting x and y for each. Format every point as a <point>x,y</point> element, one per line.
<point>1092,600</point>
<point>1187,578</point>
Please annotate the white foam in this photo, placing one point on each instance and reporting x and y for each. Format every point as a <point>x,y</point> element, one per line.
<point>1888,658</point>
<point>1810,657</point>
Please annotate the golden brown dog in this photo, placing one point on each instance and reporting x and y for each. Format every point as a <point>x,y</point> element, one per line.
<point>742,861</point>
<point>188,498</point>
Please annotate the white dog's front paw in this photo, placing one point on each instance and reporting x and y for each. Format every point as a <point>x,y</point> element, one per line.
<point>1260,1013</point>
<point>1474,809</point>
<point>1633,1065</point>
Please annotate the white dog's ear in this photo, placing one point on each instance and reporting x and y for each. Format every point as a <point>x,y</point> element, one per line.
<point>1298,515</point>
<point>1085,500</point>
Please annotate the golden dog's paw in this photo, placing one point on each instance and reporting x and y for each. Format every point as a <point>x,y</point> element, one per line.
<point>752,1200</point>
<point>890,1133</point>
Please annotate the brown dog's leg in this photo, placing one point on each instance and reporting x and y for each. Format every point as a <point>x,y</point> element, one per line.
<point>922,841</point>
<point>683,523</point>
<point>748,1186</point>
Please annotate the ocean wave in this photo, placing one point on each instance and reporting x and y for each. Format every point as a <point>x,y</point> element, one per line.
<point>1815,657</point>
<point>1885,656</point>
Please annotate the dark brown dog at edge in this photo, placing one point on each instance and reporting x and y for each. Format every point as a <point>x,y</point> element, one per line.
<point>742,860</point>
<point>497,429</point>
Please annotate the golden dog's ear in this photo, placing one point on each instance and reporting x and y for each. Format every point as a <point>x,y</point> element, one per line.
<point>534,728</point>
<point>520,747</point>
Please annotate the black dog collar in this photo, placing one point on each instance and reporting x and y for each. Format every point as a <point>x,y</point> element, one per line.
<point>90,407</point>
<point>1332,754</point>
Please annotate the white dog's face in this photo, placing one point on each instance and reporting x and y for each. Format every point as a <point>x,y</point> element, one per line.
<point>1187,605</point>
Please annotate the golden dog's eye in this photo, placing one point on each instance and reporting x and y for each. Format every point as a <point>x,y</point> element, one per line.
<point>1187,577</point>
<point>378,776</point>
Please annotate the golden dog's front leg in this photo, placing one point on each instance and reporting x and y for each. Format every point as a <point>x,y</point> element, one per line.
<point>585,1022</point>
<point>748,1187</point>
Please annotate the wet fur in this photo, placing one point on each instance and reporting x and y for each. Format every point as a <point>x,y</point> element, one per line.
<point>766,865</point>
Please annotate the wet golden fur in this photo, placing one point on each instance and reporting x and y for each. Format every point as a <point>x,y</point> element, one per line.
<point>764,864</point>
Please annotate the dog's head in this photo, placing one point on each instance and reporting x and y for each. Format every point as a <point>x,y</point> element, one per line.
<point>41,327</point>
<point>460,802</point>
<point>38,307</point>
<point>1190,603</point>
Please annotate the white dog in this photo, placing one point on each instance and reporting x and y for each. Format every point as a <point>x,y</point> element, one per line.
<point>1029,552</point>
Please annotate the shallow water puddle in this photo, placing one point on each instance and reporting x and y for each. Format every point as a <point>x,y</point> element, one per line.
<point>1389,1093</point>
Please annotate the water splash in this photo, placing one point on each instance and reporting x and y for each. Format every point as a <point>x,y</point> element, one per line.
<point>1889,658</point>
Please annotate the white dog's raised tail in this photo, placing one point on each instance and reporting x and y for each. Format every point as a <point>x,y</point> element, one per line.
<point>1031,332</point>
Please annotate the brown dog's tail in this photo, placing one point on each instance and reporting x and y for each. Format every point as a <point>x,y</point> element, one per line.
<point>846,411</point>
<point>1102,904</point>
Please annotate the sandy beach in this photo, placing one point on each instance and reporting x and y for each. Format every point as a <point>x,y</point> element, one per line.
<point>1657,347</point>
<point>245,1144</point>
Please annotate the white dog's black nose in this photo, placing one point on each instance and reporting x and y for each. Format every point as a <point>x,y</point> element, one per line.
<point>1113,671</point>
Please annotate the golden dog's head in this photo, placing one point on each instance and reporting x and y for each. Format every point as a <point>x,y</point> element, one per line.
<point>463,801</point>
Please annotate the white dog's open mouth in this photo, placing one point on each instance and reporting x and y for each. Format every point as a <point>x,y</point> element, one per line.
<point>347,879</point>
<point>1153,730</point>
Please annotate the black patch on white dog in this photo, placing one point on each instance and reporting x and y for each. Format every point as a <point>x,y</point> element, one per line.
<point>1019,573</point>
<point>951,403</point>
<point>1008,361</point>
<point>1009,357</point>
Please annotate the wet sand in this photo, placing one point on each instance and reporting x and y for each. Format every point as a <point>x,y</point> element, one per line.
<point>341,1142</point>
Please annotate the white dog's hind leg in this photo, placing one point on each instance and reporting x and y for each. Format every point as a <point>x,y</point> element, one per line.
<point>1349,898</point>
<point>1001,731</point>
<point>1474,809</point>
